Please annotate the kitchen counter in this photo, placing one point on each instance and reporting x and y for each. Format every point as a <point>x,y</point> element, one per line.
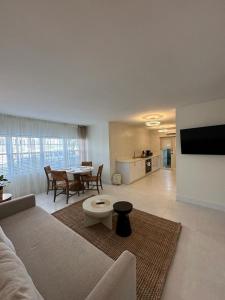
<point>135,168</point>
<point>136,159</point>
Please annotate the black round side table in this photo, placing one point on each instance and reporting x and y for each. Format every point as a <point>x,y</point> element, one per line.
<point>123,208</point>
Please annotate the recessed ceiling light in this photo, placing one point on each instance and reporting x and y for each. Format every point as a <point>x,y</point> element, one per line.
<point>163,130</point>
<point>152,123</point>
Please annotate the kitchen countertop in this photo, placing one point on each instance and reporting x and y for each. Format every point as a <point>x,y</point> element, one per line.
<point>136,159</point>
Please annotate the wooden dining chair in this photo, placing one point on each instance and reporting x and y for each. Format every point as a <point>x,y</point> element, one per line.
<point>86,163</point>
<point>95,181</point>
<point>64,185</point>
<point>84,176</point>
<point>49,178</point>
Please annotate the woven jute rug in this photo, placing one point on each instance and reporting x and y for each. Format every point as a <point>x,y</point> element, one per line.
<point>153,241</point>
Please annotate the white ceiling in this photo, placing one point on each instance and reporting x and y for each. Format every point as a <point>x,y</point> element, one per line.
<point>82,61</point>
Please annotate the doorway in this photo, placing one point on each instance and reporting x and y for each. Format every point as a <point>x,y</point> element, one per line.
<point>166,158</point>
<point>168,152</point>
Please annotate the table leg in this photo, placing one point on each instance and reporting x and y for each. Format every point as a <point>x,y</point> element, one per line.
<point>90,221</point>
<point>107,221</point>
<point>123,227</point>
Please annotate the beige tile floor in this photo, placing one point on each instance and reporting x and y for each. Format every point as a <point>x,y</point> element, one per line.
<point>198,270</point>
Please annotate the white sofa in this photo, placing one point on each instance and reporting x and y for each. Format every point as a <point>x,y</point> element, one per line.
<point>62,264</point>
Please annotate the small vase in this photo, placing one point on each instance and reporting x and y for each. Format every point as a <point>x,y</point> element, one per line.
<point>1,193</point>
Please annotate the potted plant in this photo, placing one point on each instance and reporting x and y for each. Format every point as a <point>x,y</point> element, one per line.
<point>3,182</point>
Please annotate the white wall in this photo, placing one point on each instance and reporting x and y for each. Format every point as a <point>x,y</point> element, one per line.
<point>126,138</point>
<point>201,178</point>
<point>117,140</point>
<point>154,141</point>
<point>98,148</point>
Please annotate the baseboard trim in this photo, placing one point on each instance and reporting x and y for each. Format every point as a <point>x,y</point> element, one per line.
<point>185,199</point>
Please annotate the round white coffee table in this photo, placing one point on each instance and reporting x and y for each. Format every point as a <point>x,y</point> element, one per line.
<point>99,209</point>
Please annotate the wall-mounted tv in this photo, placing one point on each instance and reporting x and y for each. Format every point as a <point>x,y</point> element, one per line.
<point>203,140</point>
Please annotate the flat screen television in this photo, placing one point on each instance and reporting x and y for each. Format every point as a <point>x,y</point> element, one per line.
<point>203,140</point>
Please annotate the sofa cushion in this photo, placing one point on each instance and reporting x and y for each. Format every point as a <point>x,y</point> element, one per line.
<point>6,240</point>
<point>15,282</point>
<point>62,264</point>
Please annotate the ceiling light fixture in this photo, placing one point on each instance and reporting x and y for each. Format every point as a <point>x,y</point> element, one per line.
<point>152,123</point>
<point>153,117</point>
<point>163,130</point>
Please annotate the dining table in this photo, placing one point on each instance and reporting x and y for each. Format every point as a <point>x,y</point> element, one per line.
<point>78,171</point>
<point>75,173</point>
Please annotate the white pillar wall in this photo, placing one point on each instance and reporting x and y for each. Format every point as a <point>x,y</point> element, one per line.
<point>98,148</point>
<point>201,178</point>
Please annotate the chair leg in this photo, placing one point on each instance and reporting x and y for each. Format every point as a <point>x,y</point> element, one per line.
<point>47,187</point>
<point>67,196</point>
<point>55,190</point>
<point>97,185</point>
<point>101,184</point>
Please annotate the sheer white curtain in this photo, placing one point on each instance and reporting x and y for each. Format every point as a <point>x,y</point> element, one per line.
<point>27,145</point>
<point>82,136</point>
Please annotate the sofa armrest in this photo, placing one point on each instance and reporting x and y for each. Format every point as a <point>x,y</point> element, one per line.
<point>14,206</point>
<point>119,282</point>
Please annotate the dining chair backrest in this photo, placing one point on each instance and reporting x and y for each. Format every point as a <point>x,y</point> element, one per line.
<point>59,176</point>
<point>86,163</point>
<point>48,171</point>
<point>100,168</point>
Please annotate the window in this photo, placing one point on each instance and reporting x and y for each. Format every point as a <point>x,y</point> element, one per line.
<point>3,156</point>
<point>54,153</point>
<point>74,151</point>
<point>25,155</point>
<point>28,155</point>
<point>27,145</point>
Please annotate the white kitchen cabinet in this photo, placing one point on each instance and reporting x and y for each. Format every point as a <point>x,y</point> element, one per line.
<point>137,170</point>
<point>155,163</point>
<point>134,169</point>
